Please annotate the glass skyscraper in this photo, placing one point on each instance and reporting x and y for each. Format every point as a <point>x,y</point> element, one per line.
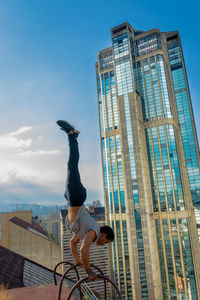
<point>150,160</point>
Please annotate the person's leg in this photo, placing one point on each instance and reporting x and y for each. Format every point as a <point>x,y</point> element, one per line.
<point>75,192</point>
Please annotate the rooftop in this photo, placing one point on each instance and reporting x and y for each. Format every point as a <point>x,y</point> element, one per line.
<point>34,227</point>
<point>19,273</point>
<point>44,292</point>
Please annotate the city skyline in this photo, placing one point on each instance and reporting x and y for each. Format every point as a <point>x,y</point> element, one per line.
<point>45,77</point>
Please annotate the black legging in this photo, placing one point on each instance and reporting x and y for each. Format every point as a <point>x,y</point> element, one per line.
<point>75,192</point>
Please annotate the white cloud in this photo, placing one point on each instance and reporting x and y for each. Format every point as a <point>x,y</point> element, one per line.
<point>34,165</point>
<point>39,152</point>
<point>40,138</point>
<point>33,162</point>
<point>20,131</point>
<point>91,176</point>
<point>6,173</point>
<point>9,142</point>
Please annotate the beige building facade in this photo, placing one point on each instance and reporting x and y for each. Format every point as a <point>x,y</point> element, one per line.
<point>23,235</point>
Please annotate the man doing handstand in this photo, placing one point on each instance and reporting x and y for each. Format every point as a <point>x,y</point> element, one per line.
<point>83,226</point>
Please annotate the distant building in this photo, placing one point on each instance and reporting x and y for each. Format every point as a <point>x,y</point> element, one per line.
<point>25,236</point>
<point>99,255</point>
<point>52,225</point>
<point>97,203</point>
<point>98,213</point>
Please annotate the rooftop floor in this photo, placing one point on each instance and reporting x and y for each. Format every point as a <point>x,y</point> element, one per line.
<point>44,292</point>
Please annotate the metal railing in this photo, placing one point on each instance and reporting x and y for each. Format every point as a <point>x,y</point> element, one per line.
<point>81,283</point>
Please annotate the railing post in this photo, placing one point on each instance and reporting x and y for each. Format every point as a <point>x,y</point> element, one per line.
<point>82,280</point>
<point>63,277</point>
<point>99,276</point>
<point>60,263</point>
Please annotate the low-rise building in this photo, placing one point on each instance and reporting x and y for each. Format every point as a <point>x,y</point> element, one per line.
<point>24,235</point>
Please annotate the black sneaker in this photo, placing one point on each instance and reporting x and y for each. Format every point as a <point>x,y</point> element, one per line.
<point>67,127</point>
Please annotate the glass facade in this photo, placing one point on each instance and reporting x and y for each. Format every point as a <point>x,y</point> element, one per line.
<point>151,83</point>
<point>166,179</point>
<point>133,80</point>
<point>113,173</point>
<point>177,271</point>
<point>124,87</point>
<point>148,43</point>
<point>185,119</point>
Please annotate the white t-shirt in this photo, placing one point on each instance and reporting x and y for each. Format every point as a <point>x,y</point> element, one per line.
<point>84,223</point>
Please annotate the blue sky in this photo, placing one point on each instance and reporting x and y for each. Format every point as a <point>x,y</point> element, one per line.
<point>48,51</point>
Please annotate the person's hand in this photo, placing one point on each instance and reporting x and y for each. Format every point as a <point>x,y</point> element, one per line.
<point>91,275</point>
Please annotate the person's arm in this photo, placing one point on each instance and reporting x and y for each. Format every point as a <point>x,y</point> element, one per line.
<point>73,246</point>
<point>85,247</point>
